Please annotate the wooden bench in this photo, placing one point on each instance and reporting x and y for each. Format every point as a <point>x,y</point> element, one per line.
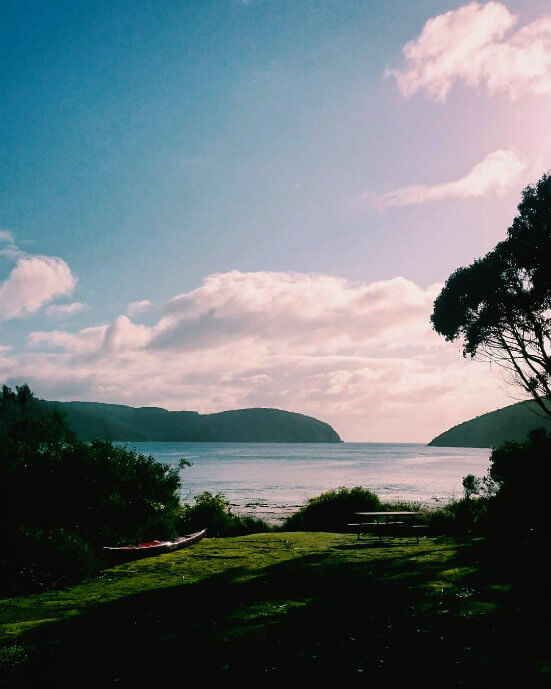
<point>390,529</point>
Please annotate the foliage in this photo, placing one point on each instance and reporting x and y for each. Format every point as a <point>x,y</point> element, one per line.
<point>62,499</point>
<point>214,513</point>
<point>37,558</point>
<point>500,305</point>
<point>401,506</point>
<point>470,485</point>
<point>27,428</point>
<point>495,505</point>
<point>459,517</point>
<point>520,470</point>
<point>332,510</point>
<point>483,487</point>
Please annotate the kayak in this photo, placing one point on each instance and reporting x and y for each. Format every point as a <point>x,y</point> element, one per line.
<point>152,548</point>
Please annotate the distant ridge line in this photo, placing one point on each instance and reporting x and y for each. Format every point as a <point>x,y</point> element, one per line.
<point>118,422</point>
<point>513,422</point>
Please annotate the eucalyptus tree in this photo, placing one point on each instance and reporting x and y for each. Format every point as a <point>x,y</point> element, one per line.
<point>499,307</point>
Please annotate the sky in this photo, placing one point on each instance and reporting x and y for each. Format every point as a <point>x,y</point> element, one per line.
<point>217,205</point>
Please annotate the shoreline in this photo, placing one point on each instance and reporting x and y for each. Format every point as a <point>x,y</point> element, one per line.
<point>275,514</point>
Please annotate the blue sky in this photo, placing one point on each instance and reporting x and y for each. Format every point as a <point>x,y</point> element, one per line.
<point>149,145</point>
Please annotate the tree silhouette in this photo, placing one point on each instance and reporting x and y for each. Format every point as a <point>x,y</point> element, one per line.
<point>62,500</point>
<point>500,305</point>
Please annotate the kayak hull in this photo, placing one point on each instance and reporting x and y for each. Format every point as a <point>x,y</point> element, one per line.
<point>152,548</point>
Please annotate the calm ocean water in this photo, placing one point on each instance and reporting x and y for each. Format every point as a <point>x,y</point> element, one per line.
<point>271,480</point>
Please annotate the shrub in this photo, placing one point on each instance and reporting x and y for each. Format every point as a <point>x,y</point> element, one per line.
<point>520,470</point>
<point>332,510</point>
<point>213,512</point>
<point>62,499</point>
<point>459,517</point>
<point>38,558</point>
<point>401,506</point>
<point>491,504</point>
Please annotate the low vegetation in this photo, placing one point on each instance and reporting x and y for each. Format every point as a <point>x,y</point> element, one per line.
<point>214,513</point>
<point>332,510</point>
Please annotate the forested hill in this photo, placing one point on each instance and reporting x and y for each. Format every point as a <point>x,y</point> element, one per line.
<point>509,423</point>
<point>118,422</point>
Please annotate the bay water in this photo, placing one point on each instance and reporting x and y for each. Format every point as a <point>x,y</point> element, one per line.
<point>272,480</point>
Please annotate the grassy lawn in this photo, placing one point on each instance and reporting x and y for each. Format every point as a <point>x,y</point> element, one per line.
<point>283,607</point>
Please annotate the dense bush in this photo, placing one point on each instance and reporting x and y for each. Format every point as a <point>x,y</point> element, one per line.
<point>495,505</point>
<point>332,510</point>
<point>214,513</point>
<point>40,558</point>
<point>463,516</point>
<point>520,470</point>
<point>62,499</point>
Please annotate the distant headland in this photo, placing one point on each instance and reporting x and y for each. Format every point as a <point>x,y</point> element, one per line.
<point>488,430</point>
<point>118,422</point>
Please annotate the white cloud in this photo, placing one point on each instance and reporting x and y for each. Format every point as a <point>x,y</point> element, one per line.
<point>294,310</point>
<point>137,308</point>
<point>493,176</point>
<point>86,341</point>
<point>122,335</point>
<point>65,310</point>
<point>6,236</point>
<point>361,356</point>
<point>8,247</point>
<point>33,282</point>
<point>475,45</point>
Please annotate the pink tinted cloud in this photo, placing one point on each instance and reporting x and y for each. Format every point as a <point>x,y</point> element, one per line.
<point>86,341</point>
<point>138,308</point>
<point>294,309</point>
<point>65,310</point>
<point>476,45</point>
<point>493,176</point>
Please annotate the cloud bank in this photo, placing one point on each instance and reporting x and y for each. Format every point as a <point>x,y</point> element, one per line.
<point>361,356</point>
<point>493,176</point>
<point>479,46</point>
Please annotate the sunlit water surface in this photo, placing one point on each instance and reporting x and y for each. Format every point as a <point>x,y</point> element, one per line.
<point>270,480</point>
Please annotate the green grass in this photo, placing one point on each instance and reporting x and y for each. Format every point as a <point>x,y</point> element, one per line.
<point>282,607</point>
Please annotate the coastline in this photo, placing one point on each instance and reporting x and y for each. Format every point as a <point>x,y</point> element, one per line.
<point>274,514</point>
<point>271,481</point>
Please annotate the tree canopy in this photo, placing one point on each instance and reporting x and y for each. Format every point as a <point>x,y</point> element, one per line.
<point>63,499</point>
<point>500,305</point>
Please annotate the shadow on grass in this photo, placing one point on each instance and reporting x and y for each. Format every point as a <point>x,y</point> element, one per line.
<point>319,618</point>
<point>374,545</point>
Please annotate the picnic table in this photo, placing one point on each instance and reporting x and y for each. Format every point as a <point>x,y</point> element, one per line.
<point>393,524</point>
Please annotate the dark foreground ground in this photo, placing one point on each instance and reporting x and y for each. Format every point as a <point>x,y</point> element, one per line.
<point>287,609</point>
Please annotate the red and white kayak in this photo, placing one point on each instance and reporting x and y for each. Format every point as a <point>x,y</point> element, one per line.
<point>152,548</point>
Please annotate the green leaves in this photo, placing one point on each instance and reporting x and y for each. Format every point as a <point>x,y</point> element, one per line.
<point>63,499</point>
<point>500,305</point>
